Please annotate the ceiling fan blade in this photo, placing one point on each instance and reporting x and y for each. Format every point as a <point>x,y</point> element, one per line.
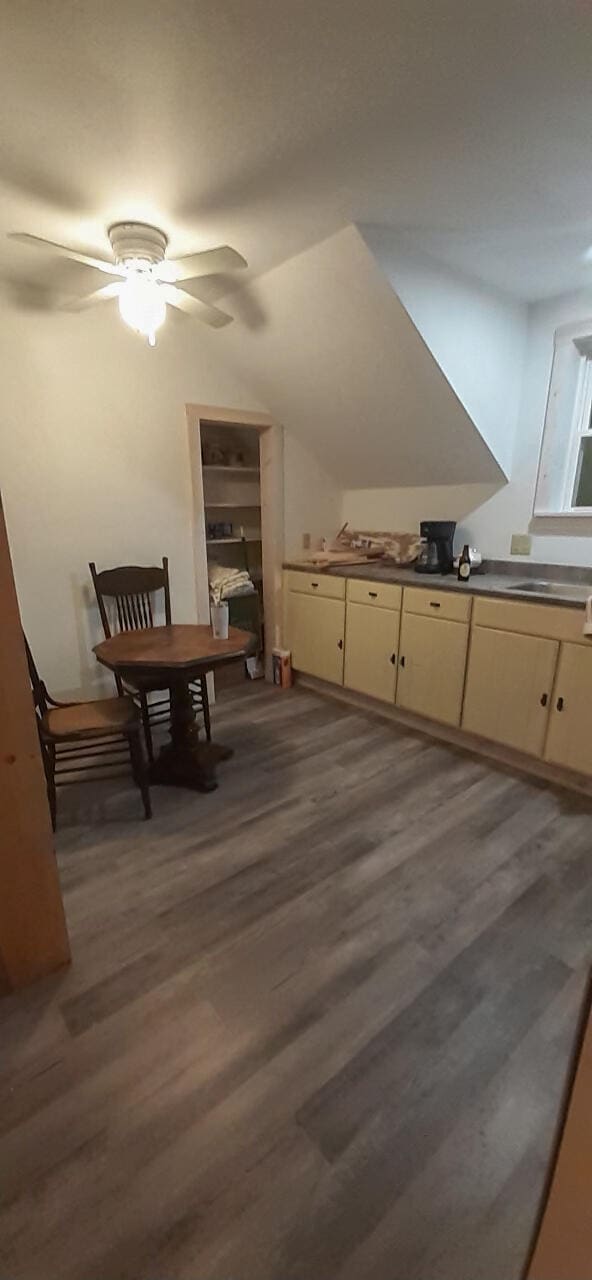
<point>100,295</point>
<point>195,307</point>
<point>62,250</point>
<point>210,262</point>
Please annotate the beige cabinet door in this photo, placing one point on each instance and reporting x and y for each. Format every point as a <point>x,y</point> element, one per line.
<point>371,641</point>
<point>569,740</point>
<point>316,628</point>
<point>509,684</point>
<point>433,653</point>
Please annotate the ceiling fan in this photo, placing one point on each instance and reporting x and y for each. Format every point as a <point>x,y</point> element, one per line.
<point>146,281</point>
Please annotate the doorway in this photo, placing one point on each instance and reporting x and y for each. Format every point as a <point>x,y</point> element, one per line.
<point>237,477</point>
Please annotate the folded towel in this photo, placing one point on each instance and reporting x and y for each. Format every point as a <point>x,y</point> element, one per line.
<point>221,572</point>
<point>225,580</point>
<point>226,584</point>
<point>243,589</point>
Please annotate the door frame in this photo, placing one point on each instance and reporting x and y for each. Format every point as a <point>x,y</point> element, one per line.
<point>271,455</point>
<point>33,935</point>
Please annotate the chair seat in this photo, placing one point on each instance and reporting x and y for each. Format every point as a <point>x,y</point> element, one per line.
<point>90,719</point>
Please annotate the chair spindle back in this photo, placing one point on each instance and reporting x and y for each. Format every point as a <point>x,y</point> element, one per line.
<point>131,589</point>
<point>39,691</point>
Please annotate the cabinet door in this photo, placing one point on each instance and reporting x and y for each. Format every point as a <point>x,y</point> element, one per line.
<point>569,741</point>
<point>433,653</point>
<point>371,640</point>
<point>509,683</point>
<point>315,635</point>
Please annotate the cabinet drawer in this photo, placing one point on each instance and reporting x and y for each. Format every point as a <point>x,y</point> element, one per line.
<point>437,604</point>
<point>552,622</point>
<point>315,584</point>
<point>383,595</point>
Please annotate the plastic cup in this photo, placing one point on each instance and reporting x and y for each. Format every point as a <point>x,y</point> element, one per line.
<point>219,614</point>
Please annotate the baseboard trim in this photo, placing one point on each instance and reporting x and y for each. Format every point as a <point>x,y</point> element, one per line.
<point>504,757</point>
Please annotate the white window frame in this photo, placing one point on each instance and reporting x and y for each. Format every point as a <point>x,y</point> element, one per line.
<point>568,421</point>
<point>580,430</point>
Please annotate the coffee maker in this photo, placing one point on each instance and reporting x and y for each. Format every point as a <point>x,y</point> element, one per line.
<point>436,553</point>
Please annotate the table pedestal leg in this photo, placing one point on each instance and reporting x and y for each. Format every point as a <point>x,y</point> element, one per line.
<point>185,761</point>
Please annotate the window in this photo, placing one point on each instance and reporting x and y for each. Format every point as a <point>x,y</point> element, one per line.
<point>564,484</point>
<point>579,469</point>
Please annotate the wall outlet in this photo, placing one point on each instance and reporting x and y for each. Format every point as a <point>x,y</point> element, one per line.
<point>520,544</point>
<point>306,541</point>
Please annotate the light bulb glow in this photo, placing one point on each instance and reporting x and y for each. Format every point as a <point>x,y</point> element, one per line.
<point>142,305</point>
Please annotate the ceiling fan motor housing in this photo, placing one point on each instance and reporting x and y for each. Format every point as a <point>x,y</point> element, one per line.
<point>136,241</point>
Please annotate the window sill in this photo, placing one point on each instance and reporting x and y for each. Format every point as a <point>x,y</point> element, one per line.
<point>584,514</point>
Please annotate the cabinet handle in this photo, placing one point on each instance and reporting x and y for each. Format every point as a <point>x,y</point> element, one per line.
<point>314,584</point>
<point>434,604</point>
<point>373,594</point>
<point>393,658</point>
<point>544,699</point>
<point>340,644</point>
<point>560,704</point>
<point>402,660</point>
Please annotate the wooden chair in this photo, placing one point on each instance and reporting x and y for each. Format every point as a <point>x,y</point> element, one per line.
<point>82,738</point>
<point>129,590</point>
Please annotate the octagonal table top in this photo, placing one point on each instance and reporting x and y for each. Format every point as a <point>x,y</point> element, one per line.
<point>179,647</point>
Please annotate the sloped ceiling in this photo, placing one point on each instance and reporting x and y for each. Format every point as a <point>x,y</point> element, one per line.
<point>324,342</point>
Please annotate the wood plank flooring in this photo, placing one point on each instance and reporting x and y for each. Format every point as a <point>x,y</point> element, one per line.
<point>317,1024</point>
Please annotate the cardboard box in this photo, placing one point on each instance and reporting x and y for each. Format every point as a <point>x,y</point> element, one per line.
<point>282,668</point>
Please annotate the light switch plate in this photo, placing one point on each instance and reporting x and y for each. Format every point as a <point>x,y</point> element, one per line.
<point>306,541</point>
<point>520,544</point>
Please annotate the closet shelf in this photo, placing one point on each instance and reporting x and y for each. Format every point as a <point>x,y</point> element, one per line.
<point>219,542</point>
<point>244,471</point>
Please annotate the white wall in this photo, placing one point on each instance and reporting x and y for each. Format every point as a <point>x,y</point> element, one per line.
<point>488,522</point>
<point>312,500</point>
<point>401,510</point>
<point>477,335</point>
<point>564,540</point>
<point>94,465</point>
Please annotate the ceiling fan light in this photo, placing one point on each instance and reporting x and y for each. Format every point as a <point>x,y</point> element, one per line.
<point>142,305</point>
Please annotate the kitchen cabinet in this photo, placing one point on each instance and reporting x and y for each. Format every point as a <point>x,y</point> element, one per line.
<point>432,660</point>
<point>315,627</point>
<point>569,740</point>
<point>512,672</point>
<point>509,686</point>
<point>371,643</point>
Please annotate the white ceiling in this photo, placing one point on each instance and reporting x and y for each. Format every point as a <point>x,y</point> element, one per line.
<point>270,124</point>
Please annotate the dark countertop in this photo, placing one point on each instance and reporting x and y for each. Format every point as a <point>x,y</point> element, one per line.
<point>569,585</point>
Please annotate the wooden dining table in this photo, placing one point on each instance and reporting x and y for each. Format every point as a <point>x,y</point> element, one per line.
<point>170,658</point>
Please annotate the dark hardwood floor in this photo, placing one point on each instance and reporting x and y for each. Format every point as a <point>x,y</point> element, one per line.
<point>317,1025</point>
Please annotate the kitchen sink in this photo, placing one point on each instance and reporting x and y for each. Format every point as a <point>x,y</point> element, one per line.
<point>573,590</point>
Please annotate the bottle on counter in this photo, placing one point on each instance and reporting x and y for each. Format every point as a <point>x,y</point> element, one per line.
<point>464,564</point>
